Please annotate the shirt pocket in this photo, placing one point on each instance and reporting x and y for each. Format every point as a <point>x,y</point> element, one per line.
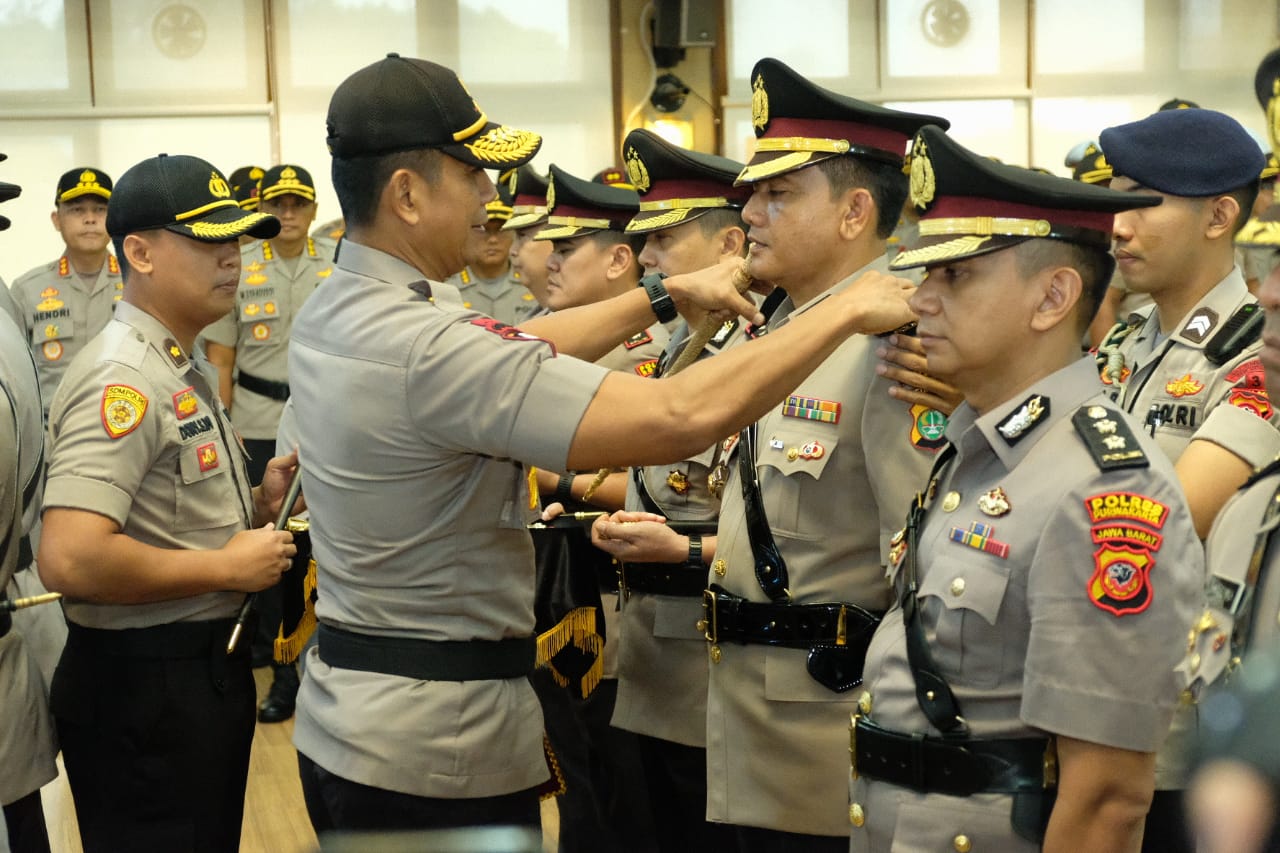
<point>962,596</point>
<point>207,495</point>
<point>260,323</point>
<point>798,458</point>
<point>51,340</point>
<point>676,618</point>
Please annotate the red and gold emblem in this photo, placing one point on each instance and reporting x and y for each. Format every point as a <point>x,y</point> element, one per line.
<point>1121,581</point>
<point>208,456</point>
<point>1183,386</point>
<point>185,403</point>
<point>261,331</point>
<point>122,409</point>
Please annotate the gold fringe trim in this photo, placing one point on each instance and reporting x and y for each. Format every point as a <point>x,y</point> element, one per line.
<point>554,786</point>
<point>289,649</point>
<point>578,627</point>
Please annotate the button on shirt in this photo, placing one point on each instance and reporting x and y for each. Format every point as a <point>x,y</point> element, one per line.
<point>411,415</point>
<point>136,433</point>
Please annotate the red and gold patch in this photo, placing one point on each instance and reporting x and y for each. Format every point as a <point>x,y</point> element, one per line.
<point>1251,400</point>
<point>1249,374</point>
<point>122,409</point>
<point>207,454</point>
<point>1118,506</point>
<point>507,333</point>
<point>261,331</point>
<point>52,350</point>
<point>185,403</point>
<point>1183,386</point>
<point>647,368</point>
<point>1121,581</point>
<point>639,339</point>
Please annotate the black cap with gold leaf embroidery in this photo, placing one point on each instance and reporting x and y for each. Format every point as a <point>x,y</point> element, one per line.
<point>286,180</point>
<point>499,210</point>
<point>1266,85</point>
<point>1092,167</point>
<point>82,181</point>
<point>185,195</point>
<point>404,104</point>
<point>798,123</point>
<point>244,186</point>
<point>576,207</point>
<point>528,197</point>
<point>677,185</point>
<point>973,205</point>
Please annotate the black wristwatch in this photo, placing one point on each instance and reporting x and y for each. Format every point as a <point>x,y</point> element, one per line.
<point>564,489</point>
<point>694,560</point>
<point>660,300</point>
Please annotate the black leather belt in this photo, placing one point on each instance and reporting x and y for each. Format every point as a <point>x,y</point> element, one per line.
<point>663,579</point>
<point>730,618</point>
<point>171,641</point>
<point>428,660</point>
<point>265,387</point>
<point>956,766</point>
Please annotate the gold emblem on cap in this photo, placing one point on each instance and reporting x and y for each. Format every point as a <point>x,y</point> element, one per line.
<point>504,145</point>
<point>636,171</point>
<point>1273,115</point>
<point>513,176</point>
<point>218,186</point>
<point>759,103</point>
<point>88,177</point>
<point>551,193</point>
<point>923,183</point>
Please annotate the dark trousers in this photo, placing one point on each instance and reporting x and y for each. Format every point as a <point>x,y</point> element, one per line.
<point>156,747</point>
<point>675,776</point>
<point>335,803</point>
<point>24,820</point>
<point>1166,827</point>
<point>753,839</point>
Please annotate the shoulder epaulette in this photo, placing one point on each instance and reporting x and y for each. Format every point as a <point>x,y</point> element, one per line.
<point>1242,328</point>
<point>1107,435</point>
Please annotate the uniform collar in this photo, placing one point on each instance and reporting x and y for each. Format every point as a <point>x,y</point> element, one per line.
<point>1062,392</point>
<point>157,336</point>
<point>879,264</point>
<point>1214,308</point>
<point>375,263</point>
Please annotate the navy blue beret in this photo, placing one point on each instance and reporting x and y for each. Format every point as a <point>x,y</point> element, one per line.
<point>1195,153</point>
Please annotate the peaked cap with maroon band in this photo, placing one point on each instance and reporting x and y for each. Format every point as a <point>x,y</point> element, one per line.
<point>528,197</point>
<point>576,207</point>
<point>677,185</point>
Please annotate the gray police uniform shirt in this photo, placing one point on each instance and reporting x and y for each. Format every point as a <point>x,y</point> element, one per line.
<point>411,414</point>
<point>62,314</point>
<point>1243,523</point>
<point>662,657</point>
<point>27,743</point>
<point>1187,391</point>
<point>837,467</point>
<point>137,434</point>
<point>271,292</point>
<point>1054,597</point>
<point>503,298</point>
<point>10,306</point>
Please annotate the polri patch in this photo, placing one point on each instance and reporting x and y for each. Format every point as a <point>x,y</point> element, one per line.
<point>647,368</point>
<point>1109,507</point>
<point>185,403</point>
<point>639,339</point>
<point>928,427</point>
<point>1121,581</point>
<point>811,409</point>
<point>122,409</point>
<point>207,454</point>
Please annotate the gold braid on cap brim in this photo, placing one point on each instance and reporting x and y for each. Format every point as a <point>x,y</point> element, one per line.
<point>663,220</point>
<point>504,145</point>
<point>225,230</point>
<point>938,252</point>
<point>985,225</point>
<point>1093,176</point>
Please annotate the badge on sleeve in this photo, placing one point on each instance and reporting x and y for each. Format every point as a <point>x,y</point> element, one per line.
<point>508,333</point>
<point>1124,525</point>
<point>122,409</point>
<point>928,427</point>
<point>1121,582</point>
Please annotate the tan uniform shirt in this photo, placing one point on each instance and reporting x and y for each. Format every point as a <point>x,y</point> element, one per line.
<point>137,434</point>
<point>271,292</point>
<point>1074,629</point>
<point>61,314</point>
<point>503,298</point>
<point>411,416</point>
<point>777,740</point>
<point>27,743</point>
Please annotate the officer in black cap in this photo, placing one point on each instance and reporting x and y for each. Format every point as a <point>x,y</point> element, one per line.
<point>1052,534</point>
<point>1189,365</point>
<point>153,534</point>
<point>528,256</point>
<point>415,708</point>
<point>488,283</point>
<point>1259,239</point>
<point>244,186</point>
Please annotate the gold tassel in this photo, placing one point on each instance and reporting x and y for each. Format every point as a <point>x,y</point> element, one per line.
<point>579,627</point>
<point>289,649</point>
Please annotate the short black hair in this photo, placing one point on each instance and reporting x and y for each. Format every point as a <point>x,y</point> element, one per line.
<point>886,183</point>
<point>359,181</point>
<point>718,218</point>
<point>1245,196</point>
<point>609,237</point>
<point>1094,264</point>
<point>117,243</point>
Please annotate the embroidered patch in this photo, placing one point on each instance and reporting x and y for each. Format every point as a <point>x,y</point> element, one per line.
<point>255,266</point>
<point>1033,410</point>
<point>51,330</point>
<point>678,482</point>
<point>1200,325</point>
<point>207,454</point>
<point>1184,386</point>
<point>639,339</point>
<point>257,278</point>
<point>49,300</point>
<point>811,409</point>
<point>191,429</point>
<point>1251,372</point>
<point>1116,506</point>
<point>1108,438</point>
<point>978,535</point>
<point>185,403</point>
<point>812,450</point>
<point>52,350</point>
<point>1130,533</point>
<point>994,503</point>
<point>261,331</point>
<point>1251,401</point>
<point>1121,581</point>
<point>175,353</point>
<point>122,409</point>
<point>928,427</point>
<point>1124,375</point>
<point>647,368</point>
<point>508,333</point>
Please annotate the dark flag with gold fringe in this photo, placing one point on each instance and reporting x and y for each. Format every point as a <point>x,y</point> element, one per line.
<point>298,593</point>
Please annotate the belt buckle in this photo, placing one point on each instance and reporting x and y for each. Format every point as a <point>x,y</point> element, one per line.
<point>710,622</point>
